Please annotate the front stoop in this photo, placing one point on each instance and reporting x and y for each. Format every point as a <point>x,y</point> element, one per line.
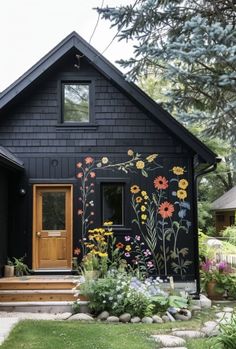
<point>49,293</point>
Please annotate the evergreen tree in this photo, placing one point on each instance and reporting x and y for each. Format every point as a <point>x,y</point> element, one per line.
<point>192,45</point>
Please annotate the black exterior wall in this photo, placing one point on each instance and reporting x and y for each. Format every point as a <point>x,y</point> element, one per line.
<point>31,128</point>
<point>3,218</point>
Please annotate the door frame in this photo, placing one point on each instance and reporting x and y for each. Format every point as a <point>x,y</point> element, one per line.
<point>35,265</point>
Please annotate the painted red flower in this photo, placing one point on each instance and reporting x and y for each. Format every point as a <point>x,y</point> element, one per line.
<point>92,174</point>
<point>88,160</point>
<point>166,209</point>
<point>77,251</point>
<point>119,245</point>
<point>80,175</point>
<point>80,212</point>
<point>79,164</point>
<point>161,183</point>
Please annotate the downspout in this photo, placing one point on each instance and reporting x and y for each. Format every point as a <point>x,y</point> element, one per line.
<point>210,169</point>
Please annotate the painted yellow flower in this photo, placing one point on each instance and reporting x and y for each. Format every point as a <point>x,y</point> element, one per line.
<point>104,160</point>
<point>143,193</point>
<point>143,208</point>
<point>145,197</point>
<point>135,189</point>
<point>140,164</point>
<point>183,183</point>
<point>130,152</point>
<point>151,157</point>
<point>143,217</point>
<point>108,233</point>
<point>128,248</point>
<point>181,194</point>
<point>102,254</point>
<point>139,199</point>
<point>107,223</point>
<point>178,170</point>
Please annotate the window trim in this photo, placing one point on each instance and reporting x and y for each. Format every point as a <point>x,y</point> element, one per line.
<point>69,79</point>
<point>126,207</point>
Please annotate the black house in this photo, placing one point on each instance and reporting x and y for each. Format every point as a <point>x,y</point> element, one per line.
<point>80,146</point>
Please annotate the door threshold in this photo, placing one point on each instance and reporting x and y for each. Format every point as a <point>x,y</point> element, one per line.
<point>52,271</point>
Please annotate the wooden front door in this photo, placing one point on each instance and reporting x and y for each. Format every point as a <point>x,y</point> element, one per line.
<point>52,227</point>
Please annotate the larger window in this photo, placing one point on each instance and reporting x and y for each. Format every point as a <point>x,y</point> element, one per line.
<point>76,107</point>
<point>113,203</point>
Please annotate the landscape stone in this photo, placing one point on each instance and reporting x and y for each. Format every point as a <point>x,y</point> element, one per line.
<point>195,309</point>
<point>147,320</point>
<point>223,317</point>
<point>210,328</point>
<point>168,340</point>
<point>205,302</point>
<point>135,320</point>
<point>228,309</point>
<point>188,334</point>
<point>165,318</point>
<point>171,318</point>
<point>184,315</point>
<point>81,317</point>
<point>157,319</point>
<point>103,316</point>
<point>174,348</point>
<point>125,317</point>
<point>63,316</point>
<point>113,319</point>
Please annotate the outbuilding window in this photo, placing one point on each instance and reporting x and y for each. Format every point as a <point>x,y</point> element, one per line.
<point>76,102</point>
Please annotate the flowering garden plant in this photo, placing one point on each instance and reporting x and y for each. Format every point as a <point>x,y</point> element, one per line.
<point>219,274</point>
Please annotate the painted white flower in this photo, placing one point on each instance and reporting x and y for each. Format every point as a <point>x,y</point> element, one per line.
<point>104,160</point>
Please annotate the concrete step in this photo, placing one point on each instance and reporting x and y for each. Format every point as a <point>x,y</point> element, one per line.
<point>42,307</point>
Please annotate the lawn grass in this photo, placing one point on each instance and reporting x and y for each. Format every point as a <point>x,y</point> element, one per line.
<point>73,334</point>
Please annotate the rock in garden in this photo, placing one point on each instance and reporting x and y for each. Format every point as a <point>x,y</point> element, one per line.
<point>103,316</point>
<point>81,317</point>
<point>174,348</point>
<point>63,316</point>
<point>171,318</point>
<point>147,320</point>
<point>188,334</point>
<point>195,309</point>
<point>205,302</point>
<point>165,318</point>
<point>125,317</point>
<point>135,320</point>
<point>112,319</point>
<point>228,309</point>
<point>168,340</point>
<point>224,318</point>
<point>157,319</point>
<point>210,329</point>
<point>183,315</point>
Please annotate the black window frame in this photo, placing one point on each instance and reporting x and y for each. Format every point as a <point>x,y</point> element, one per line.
<point>126,207</point>
<point>69,79</point>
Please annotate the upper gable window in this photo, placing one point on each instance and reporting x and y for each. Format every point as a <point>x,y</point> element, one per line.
<point>76,102</point>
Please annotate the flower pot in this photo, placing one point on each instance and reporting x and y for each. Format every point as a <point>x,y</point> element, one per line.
<point>212,292</point>
<point>9,271</point>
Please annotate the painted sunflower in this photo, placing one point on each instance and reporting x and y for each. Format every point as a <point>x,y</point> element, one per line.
<point>181,194</point>
<point>139,199</point>
<point>183,183</point>
<point>177,170</point>
<point>161,183</point>
<point>166,209</point>
<point>135,189</point>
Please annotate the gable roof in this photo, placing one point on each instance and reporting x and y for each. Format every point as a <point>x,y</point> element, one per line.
<point>226,202</point>
<point>9,160</point>
<point>112,73</point>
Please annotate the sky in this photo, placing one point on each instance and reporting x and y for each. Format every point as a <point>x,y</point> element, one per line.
<point>29,29</point>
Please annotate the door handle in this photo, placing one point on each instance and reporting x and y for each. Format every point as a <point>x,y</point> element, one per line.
<point>38,233</point>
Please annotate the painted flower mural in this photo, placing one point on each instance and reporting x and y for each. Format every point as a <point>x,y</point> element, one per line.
<point>160,210</point>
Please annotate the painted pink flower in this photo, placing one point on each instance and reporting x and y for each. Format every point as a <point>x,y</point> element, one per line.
<point>92,191</point>
<point>147,253</point>
<point>137,237</point>
<point>79,164</point>
<point>92,174</point>
<point>88,160</point>
<point>80,212</point>
<point>92,213</point>
<point>127,238</point>
<point>127,254</point>
<point>92,184</point>
<point>150,264</point>
<point>80,175</point>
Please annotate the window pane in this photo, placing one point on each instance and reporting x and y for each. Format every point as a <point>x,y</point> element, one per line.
<point>112,197</point>
<point>76,103</point>
<point>53,210</point>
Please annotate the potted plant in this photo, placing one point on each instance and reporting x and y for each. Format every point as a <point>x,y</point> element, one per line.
<point>20,267</point>
<point>217,280</point>
<point>9,269</point>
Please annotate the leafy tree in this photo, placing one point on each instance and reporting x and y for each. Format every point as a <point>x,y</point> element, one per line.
<point>192,44</point>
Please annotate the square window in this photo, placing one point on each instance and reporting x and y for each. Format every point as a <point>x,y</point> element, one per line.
<point>76,102</point>
<point>113,203</point>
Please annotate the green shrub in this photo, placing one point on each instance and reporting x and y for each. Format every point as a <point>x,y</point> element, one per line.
<point>227,337</point>
<point>230,233</point>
